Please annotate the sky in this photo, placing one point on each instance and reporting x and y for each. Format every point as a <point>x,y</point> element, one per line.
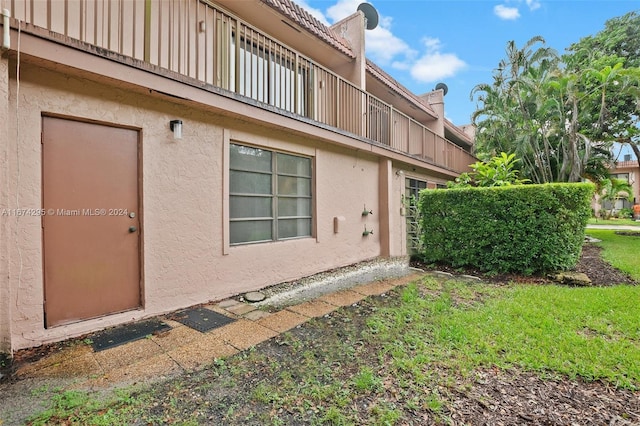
<point>459,42</point>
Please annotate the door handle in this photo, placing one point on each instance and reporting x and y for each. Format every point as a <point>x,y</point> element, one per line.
<point>132,229</point>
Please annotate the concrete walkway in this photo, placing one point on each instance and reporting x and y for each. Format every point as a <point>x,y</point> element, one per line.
<point>183,349</point>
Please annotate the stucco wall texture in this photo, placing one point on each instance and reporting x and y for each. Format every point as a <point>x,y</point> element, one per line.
<point>185,259</point>
<point>5,329</point>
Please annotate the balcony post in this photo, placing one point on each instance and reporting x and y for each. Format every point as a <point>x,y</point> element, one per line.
<point>338,101</point>
<point>296,83</point>
<point>409,136</point>
<point>236,36</point>
<point>312,90</point>
<point>367,116</point>
<point>147,31</point>
<point>390,125</point>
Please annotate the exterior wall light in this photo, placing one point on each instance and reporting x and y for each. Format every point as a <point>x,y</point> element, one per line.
<point>176,128</point>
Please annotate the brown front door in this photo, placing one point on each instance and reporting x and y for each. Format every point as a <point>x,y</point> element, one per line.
<point>91,220</point>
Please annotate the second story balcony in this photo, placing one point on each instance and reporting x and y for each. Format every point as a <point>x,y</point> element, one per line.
<point>209,46</point>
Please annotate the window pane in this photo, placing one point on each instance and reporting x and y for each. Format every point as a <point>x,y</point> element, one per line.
<point>244,207</point>
<point>294,186</point>
<point>252,202</point>
<point>247,158</point>
<point>249,183</point>
<point>414,186</point>
<point>244,232</point>
<point>292,165</point>
<point>290,228</point>
<point>294,207</point>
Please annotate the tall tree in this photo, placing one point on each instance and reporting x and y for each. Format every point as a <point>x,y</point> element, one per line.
<point>618,118</point>
<point>507,117</point>
<point>560,118</point>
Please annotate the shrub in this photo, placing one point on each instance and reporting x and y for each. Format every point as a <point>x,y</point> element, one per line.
<point>527,229</point>
<point>498,171</point>
<point>625,213</point>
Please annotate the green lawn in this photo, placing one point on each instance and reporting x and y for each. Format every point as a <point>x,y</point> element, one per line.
<point>594,221</point>
<point>390,359</point>
<point>592,333</point>
<point>623,252</point>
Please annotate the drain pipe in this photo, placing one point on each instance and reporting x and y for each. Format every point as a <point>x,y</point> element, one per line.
<point>6,42</point>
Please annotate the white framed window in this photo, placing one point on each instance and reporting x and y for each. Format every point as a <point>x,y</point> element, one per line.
<point>270,195</point>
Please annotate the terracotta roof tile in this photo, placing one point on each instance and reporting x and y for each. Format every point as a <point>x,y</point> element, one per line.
<point>311,24</point>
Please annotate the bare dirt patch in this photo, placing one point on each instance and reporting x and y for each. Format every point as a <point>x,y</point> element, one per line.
<point>512,398</point>
<point>600,272</point>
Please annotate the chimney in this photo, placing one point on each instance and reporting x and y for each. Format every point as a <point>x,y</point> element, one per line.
<point>436,100</point>
<point>352,29</point>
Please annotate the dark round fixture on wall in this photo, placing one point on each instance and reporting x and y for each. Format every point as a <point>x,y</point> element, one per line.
<point>370,14</point>
<point>443,87</point>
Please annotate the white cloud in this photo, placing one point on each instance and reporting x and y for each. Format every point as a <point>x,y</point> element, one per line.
<point>503,11</point>
<point>533,4</point>
<point>506,13</point>
<point>316,13</point>
<point>435,65</point>
<point>385,48</point>
<point>381,44</point>
<point>342,9</point>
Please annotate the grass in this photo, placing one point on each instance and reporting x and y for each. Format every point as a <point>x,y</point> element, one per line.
<point>390,360</point>
<point>619,250</point>
<point>590,333</point>
<point>594,221</point>
<point>78,407</point>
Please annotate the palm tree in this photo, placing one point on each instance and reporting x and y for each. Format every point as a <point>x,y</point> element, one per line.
<point>508,118</point>
<point>543,113</point>
<point>612,190</point>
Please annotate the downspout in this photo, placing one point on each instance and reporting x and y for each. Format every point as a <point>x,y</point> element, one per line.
<point>6,42</point>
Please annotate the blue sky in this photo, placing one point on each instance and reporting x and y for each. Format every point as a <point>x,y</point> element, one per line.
<point>460,42</point>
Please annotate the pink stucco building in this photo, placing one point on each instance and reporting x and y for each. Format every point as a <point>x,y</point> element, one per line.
<point>626,170</point>
<point>160,154</point>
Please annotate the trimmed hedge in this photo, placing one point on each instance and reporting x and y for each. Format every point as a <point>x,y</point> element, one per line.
<point>525,229</point>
